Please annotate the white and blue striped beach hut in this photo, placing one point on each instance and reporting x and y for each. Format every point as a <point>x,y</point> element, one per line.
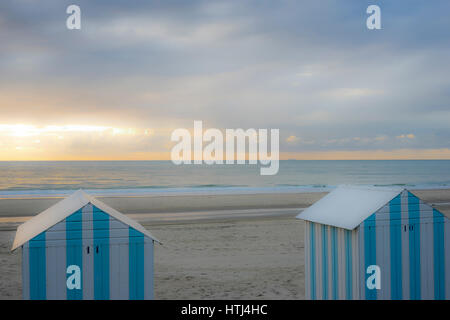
<point>353,228</point>
<point>80,248</point>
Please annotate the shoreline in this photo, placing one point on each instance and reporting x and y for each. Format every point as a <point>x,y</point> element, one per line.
<point>157,191</point>
<point>172,204</point>
<point>200,203</point>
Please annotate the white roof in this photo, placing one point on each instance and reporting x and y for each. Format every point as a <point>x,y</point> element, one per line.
<point>348,206</point>
<point>62,210</point>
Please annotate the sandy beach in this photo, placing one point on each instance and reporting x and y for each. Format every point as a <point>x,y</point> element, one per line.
<point>223,247</point>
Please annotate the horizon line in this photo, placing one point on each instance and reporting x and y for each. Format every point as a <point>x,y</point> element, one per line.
<point>168,160</point>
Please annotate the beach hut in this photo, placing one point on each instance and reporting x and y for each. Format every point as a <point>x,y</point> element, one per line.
<point>375,243</point>
<point>80,248</point>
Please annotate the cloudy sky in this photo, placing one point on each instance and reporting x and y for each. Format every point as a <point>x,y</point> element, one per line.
<point>139,69</point>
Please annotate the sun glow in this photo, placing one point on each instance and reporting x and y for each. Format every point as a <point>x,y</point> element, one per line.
<point>22,130</point>
<point>73,141</point>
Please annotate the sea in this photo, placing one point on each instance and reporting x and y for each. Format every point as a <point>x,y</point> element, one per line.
<point>110,178</point>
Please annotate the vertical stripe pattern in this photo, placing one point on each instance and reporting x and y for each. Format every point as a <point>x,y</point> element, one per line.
<point>414,247</point>
<point>370,252</point>
<point>334,263</point>
<point>405,271</point>
<point>325,283</point>
<point>395,231</point>
<point>88,252</point>
<point>348,265</point>
<point>307,263</point>
<point>115,261</point>
<point>74,250</point>
<point>407,239</point>
<point>56,262</point>
<point>331,257</point>
<point>313,259</point>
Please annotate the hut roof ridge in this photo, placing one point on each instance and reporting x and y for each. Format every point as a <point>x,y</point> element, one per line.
<point>348,206</point>
<point>64,208</point>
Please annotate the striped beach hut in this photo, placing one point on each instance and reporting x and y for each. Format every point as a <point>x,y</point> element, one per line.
<point>376,243</point>
<point>80,248</point>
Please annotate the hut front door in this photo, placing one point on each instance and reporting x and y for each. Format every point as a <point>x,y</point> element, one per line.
<point>414,260</point>
<point>94,264</point>
<point>101,271</point>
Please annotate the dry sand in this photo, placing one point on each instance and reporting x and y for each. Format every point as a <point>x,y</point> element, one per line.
<point>238,253</point>
<point>242,259</point>
<point>253,259</point>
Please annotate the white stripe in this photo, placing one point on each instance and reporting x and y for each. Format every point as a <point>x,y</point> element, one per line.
<point>426,260</point>
<point>26,271</point>
<point>330,265</point>
<point>56,261</point>
<point>355,267</point>
<point>341,262</point>
<point>148,268</point>
<point>383,255</point>
<point>119,234</point>
<point>124,274</point>
<point>307,264</point>
<point>87,218</point>
<point>318,234</point>
<point>362,271</point>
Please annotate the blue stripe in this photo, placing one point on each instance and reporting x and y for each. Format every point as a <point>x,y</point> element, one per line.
<point>395,228</point>
<point>438,255</point>
<point>348,265</point>
<point>370,252</point>
<point>37,265</point>
<point>74,250</point>
<point>414,246</point>
<point>325,261</point>
<point>334,261</point>
<point>312,239</point>
<point>101,254</point>
<point>136,265</point>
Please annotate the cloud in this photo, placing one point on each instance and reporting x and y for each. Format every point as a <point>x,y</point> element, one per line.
<point>312,70</point>
<point>406,136</point>
<point>349,93</point>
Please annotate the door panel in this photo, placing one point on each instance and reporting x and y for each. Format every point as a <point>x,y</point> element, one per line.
<point>101,271</point>
<point>88,271</point>
<point>414,261</point>
<point>74,259</point>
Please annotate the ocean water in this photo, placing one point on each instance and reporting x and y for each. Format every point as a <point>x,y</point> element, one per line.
<point>154,177</point>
